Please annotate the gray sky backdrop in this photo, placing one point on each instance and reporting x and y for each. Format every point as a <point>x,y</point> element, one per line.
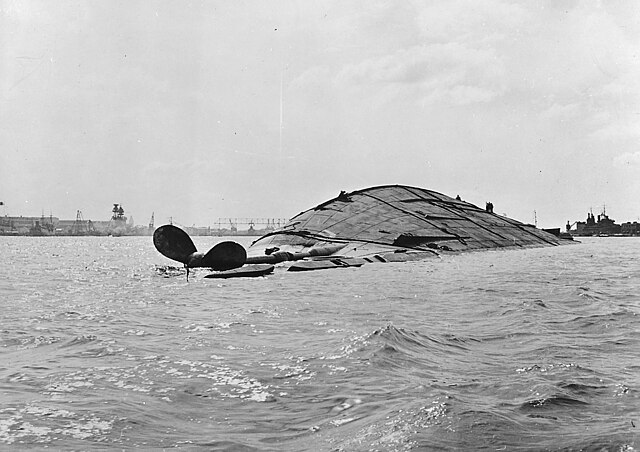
<point>207,109</point>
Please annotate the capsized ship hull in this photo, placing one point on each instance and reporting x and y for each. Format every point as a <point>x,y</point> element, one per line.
<point>396,222</point>
<point>390,223</point>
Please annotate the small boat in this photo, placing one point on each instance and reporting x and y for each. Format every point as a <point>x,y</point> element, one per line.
<point>389,223</point>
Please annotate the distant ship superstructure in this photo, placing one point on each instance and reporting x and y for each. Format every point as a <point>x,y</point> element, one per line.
<point>602,225</point>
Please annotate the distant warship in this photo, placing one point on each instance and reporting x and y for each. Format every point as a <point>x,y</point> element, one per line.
<point>602,226</point>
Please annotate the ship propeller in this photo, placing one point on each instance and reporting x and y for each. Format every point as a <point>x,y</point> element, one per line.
<point>174,243</point>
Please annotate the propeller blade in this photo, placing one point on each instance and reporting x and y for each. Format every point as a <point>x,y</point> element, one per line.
<point>225,256</point>
<point>174,243</point>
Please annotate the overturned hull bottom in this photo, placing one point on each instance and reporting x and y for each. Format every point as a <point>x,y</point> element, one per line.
<point>391,223</point>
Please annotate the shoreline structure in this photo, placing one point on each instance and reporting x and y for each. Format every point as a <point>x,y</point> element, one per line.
<point>120,225</point>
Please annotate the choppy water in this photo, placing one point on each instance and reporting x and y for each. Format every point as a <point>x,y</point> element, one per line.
<point>519,350</point>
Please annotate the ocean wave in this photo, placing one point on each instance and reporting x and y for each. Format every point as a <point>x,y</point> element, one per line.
<point>582,389</point>
<point>80,340</point>
<point>398,429</point>
<point>602,319</point>
<point>603,443</point>
<point>409,352</point>
<point>29,341</point>
<point>401,339</point>
<point>223,445</point>
<point>37,423</point>
<point>552,401</point>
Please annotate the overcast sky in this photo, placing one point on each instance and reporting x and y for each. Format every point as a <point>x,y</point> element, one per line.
<point>199,110</point>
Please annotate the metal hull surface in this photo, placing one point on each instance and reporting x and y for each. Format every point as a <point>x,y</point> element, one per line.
<point>398,223</point>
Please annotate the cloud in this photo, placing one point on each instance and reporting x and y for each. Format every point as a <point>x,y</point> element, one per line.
<point>590,72</point>
<point>450,72</point>
<point>464,53</point>
<point>618,129</point>
<point>418,52</point>
<point>628,160</point>
<point>464,21</point>
<point>561,112</point>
